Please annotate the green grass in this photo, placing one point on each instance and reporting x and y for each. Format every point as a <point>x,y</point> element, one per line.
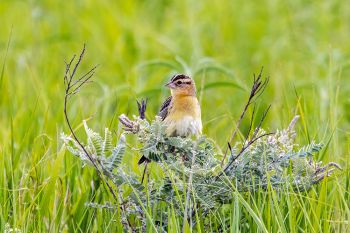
<point>303,46</point>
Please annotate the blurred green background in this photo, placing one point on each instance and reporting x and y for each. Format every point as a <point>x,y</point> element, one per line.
<point>303,46</point>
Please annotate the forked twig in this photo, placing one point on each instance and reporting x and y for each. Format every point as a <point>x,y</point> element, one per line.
<point>72,86</point>
<point>70,89</point>
<point>256,91</point>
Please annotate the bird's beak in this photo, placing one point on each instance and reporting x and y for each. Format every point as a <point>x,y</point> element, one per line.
<point>171,85</point>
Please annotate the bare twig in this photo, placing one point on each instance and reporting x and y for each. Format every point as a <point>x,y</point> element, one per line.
<point>72,86</point>
<point>247,143</point>
<point>68,78</point>
<point>256,91</point>
<point>261,121</point>
<point>250,128</point>
<point>244,148</point>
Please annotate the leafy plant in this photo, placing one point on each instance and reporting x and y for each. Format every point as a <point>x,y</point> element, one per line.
<point>274,159</point>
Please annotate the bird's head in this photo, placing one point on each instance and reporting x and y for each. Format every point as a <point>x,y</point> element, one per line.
<point>182,85</point>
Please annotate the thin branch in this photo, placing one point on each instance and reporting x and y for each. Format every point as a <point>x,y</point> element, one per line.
<point>250,125</point>
<point>82,77</point>
<point>67,70</point>
<point>244,148</point>
<point>246,144</point>
<point>245,139</point>
<point>78,63</point>
<point>71,89</point>
<point>261,121</point>
<point>68,93</point>
<point>85,81</point>
<point>256,91</point>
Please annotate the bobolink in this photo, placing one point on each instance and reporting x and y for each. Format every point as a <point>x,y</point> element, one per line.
<point>181,112</point>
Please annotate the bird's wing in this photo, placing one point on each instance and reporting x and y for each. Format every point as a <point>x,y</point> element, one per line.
<point>163,112</point>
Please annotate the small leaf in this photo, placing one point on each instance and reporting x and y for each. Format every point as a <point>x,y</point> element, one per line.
<point>118,152</point>
<point>107,143</point>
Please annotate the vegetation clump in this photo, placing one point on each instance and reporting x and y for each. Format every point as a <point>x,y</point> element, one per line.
<point>272,161</point>
<point>195,177</point>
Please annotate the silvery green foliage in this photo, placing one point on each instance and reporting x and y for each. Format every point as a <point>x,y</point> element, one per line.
<point>97,147</point>
<point>108,157</point>
<point>174,151</point>
<point>273,160</point>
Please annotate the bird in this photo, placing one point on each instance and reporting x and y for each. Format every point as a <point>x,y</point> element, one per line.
<point>180,112</point>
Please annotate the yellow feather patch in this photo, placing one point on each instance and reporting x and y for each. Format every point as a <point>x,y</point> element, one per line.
<point>184,117</point>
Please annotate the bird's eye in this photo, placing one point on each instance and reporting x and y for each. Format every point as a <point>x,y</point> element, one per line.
<point>179,82</point>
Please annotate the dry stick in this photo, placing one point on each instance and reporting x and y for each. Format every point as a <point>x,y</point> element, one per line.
<point>257,89</point>
<point>249,130</point>
<point>68,93</point>
<point>250,126</point>
<point>261,121</point>
<point>253,139</point>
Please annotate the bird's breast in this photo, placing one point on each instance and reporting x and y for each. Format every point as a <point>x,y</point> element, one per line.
<point>185,126</point>
<point>184,117</point>
<point>185,106</point>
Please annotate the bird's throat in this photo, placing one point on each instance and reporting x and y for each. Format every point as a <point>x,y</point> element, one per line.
<point>185,106</point>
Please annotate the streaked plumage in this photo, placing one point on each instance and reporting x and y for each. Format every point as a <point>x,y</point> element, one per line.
<point>163,111</point>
